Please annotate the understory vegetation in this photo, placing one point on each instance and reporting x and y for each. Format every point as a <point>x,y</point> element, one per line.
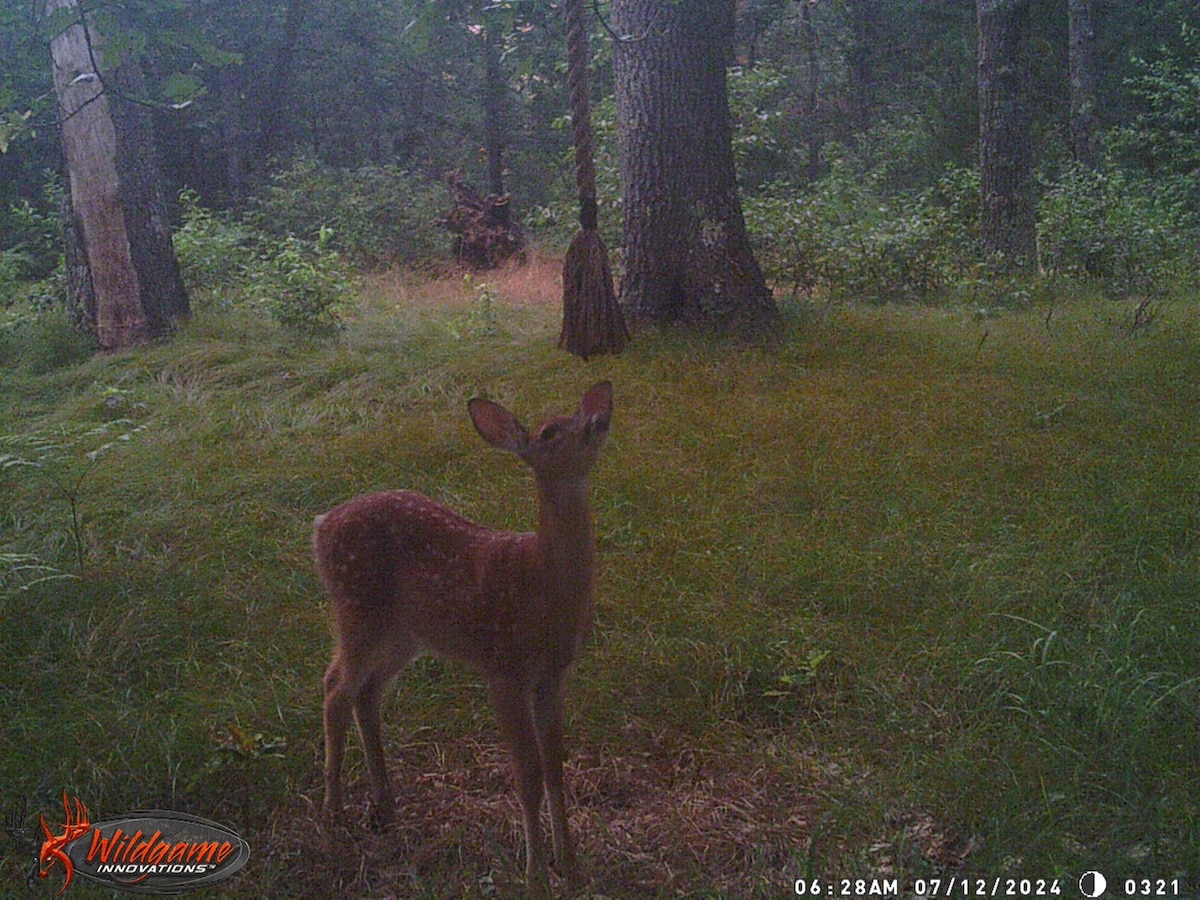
<point>908,591</point>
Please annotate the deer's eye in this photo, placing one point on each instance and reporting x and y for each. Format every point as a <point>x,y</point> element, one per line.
<point>549,432</point>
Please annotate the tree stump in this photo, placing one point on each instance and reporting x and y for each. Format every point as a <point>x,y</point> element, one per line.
<point>484,235</point>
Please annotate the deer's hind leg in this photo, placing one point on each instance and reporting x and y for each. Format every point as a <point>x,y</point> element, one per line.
<point>357,682</point>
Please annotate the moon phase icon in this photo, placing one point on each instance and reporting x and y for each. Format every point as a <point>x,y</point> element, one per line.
<point>1092,884</point>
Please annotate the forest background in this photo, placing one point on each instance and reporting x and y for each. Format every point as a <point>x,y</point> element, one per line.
<point>856,135</point>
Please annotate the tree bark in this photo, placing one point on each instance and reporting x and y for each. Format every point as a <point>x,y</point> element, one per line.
<point>1008,217</point>
<point>235,137</point>
<point>812,94</point>
<point>81,296</point>
<point>1082,52</point>
<point>132,289</point>
<point>687,256</point>
<point>493,107</point>
<point>863,18</point>
<point>275,129</point>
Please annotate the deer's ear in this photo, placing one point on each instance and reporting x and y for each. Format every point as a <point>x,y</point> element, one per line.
<point>498,426</point>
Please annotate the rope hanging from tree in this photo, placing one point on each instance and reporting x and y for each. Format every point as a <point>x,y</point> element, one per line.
<point>592,319</point>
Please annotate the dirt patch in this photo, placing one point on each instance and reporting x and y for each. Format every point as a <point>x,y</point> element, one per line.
<point>648,825</point>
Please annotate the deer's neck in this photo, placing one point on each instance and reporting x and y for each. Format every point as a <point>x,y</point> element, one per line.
<point>566,541</point>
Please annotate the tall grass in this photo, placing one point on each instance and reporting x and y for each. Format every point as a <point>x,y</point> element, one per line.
<point>904,592</point>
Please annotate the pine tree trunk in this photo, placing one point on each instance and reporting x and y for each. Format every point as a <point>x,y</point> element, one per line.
<point>687,256</point>
<point>812,94</point>
<point>163,296</point>
<point>1008,217</point>
<point>235,137</point>
<point>117,213</point>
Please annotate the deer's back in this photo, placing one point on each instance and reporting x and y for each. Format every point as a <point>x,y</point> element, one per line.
<point>401,562</point>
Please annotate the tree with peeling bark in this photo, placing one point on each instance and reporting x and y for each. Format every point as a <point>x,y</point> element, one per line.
<point>124,277</point>
<point>687,256</point>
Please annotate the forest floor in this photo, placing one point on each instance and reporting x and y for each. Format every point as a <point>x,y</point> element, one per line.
<point>901,594</point>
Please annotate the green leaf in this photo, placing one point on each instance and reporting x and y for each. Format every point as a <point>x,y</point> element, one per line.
<point>181,88</point>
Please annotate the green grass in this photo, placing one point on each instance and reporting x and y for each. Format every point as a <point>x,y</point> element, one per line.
<point>898,592</point>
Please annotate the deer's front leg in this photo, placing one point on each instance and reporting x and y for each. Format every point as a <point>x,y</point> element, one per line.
<point>548,713</point>
<point>516,727</point>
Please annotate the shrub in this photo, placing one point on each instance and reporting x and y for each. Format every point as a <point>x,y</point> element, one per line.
<point>297,281</point>
<point>765,139</point>
<point>12,265</point>
<point>304,281</point>
<point>1163,142</point>
<point>1106,224</point>
<point>213,251</point>
<point>849,239</point>
<point>43,339</point>
<point>379,215</point>
<point>30,240</point>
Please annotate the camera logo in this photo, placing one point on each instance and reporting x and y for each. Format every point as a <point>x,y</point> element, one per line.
<point>144,852</point>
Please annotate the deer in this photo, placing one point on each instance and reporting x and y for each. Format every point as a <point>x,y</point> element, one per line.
<point>405,575</point>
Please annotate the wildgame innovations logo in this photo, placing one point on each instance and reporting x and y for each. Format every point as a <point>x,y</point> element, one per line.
<point>144,852</point>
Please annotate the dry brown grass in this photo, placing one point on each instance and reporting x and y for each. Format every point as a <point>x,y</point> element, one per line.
<point>534,282</point>
<point>660,823</point>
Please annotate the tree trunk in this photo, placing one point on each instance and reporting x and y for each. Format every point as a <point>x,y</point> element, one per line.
<point>812,93</point>
<point>1008,218</point>
<point>276,130</point>
<point>81,297</point>
<point>687,256</point>
<point>235,138</point>
<point>493,107</point>
<point>118,215</point>
<point>1082,41</point>
<point>861,60</point>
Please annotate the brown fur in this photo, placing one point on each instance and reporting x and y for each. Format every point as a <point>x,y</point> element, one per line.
<point>406,575</point>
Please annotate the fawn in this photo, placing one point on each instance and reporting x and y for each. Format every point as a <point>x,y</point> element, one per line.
<point>405,575</point>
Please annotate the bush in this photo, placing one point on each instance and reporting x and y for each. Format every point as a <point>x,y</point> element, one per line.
<point>213,251</point>
<point>30,240</point>
<point>1137,219</point>
<point>304,281</point>
<point>379,215</point>
<point>12,265</point>
<point>1164,141</point>
<point>1105,224</point>
<point>766,139</point>
<point>849,239</point>
<point>43,339</point>
<point>297,281</point>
